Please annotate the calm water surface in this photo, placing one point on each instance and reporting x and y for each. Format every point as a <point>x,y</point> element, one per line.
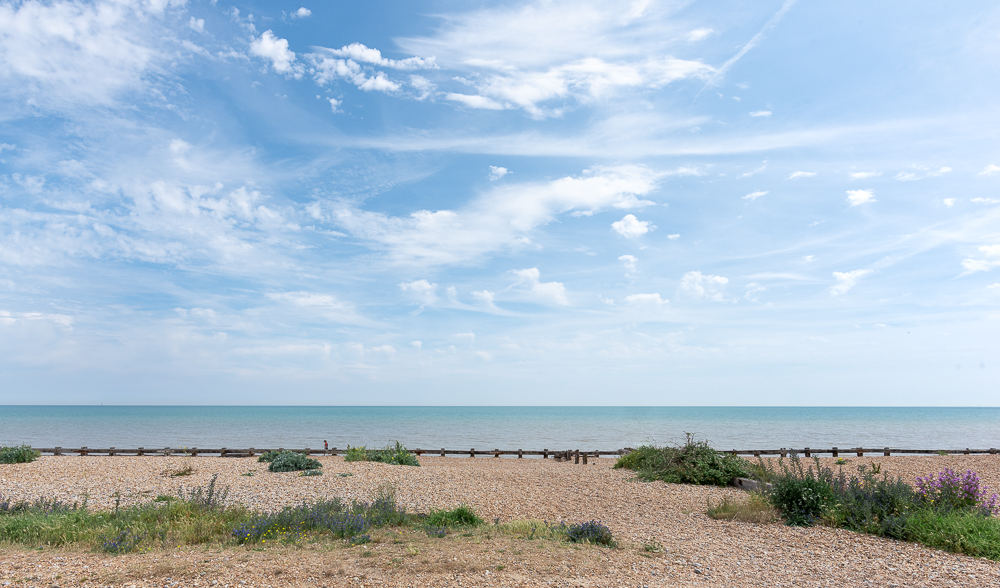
<point>497,427</point>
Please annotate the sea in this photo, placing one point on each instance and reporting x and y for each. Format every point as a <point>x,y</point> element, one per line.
<point>498,427</point>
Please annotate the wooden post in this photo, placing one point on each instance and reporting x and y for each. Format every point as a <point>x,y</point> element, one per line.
<point>166,451</point>
<point>58,451</point>
<point>966,451</point>
<point>835,452</point>
<point>307,452</point>
<point>885,452</point>
<point>141,451</point>
<point>861,452</point>
<point>781,452</point>
<point>807,452</point>
<point>496,452</point>
<point>520,454</point>
<point>584,458</point>
<point>576,459</point>
<point>993,450</point>
<point>472,452</point>
<point>223,451</point>
<point>442,452</point>
<point>334,451</point>
<point>545,454</point>
<point>251,451</point>
<point>111,451</point>
<point>83,451</point>
<point>194,452</point>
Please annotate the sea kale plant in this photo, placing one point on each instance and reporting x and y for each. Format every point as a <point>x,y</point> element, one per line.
<point>950,490</point>
<point>19,454</point>
<point>291,461</point>
<point>396,454</point>
<point>591,532</point>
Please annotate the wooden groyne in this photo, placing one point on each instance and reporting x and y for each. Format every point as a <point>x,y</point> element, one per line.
<point>560,455</point>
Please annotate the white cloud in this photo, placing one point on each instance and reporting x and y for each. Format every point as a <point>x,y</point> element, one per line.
<point>864,175</point>
<point>922,174</point>
<point>699,34</point>
<point>327,69</point>
<point>422,85</point>
<point>801,174</point>
<point>752,289</point>
<point>276,50</point>
<point>362,54</point>
<point>759,113</point>
<point>502,217</point>
<point>497,172</point>
<point>646,299</point>
<point>319,305</point>
<point>630,227</point>
<point>548,292</point>
<point>470,336</point>
<point>335,104</point>
<point>949,202</point>
<point>857,197</point>
<point>197,24</point>
<point>990,252</point>
<point>705,286</point>
<point>756,195</point>
<point>846,281</point>
<point>629,262</point>
<point>475,101</point>
<point>487,298</point>
<point>531,55</point>
<point>302,12</point>
<point>422,290</point>
<point>986,200</point>
<point>990,169</point>
<point>674,237</point>
<point>754,171</point>
<point>65,54</point>
<point>7,146</point>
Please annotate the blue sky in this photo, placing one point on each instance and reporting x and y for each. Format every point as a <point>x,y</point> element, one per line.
<point>646,203</point>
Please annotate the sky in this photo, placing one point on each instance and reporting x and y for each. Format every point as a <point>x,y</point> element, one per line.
<point>500,203</point>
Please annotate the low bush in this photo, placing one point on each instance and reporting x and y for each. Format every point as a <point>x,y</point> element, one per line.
<point>268,456</point>
<point>290,461</point>
<point>19,454</point>
<point>395,454</point>
<point>695,462</point>
<point>460,516</point>
<point>872,504</point>
<point>591,532</point>
<point>951,491</point>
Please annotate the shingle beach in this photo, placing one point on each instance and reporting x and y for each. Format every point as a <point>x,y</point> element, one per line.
<point>698,551</point>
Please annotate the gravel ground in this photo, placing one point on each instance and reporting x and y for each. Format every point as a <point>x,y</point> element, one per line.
<point>698,550</point>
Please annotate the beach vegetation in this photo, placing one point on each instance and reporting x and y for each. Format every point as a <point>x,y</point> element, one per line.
<point>292,461</point>
<point>19,454</point>
<point>393,454</point>
<point>694,462</point>
<point>460,516</point>
<point>268,456</point>
<point>593,532</point>
<point>948,510</point>
<point>756,508</point>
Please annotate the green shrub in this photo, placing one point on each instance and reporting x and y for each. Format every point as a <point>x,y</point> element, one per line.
<point>591,532</point>
<point>392,454</point>
<point>268,456</point>
<point>19,454</point>
<point>970,533</point>
<point>356,454</point>
<point>802,501</point>
<point>290,461</point>
<point>460,516</point>
<point>695,462</point>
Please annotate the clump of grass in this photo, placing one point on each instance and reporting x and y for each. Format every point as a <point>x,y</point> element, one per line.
<point>460,516</point>
<point>755,509</point>
<point>291,461</point>
<point>187,470</point>
<point>206,497</point>
<point>311,473</point>
<point>593,532</point>
<point>695,462</point>
<point>531,529</point>
<point>395,454</point>
<point>19,454</point>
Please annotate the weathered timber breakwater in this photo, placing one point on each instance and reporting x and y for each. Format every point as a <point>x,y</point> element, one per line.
<point>559,455</point>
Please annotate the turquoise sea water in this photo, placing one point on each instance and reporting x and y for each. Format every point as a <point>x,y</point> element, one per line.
<point>497,427</point>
